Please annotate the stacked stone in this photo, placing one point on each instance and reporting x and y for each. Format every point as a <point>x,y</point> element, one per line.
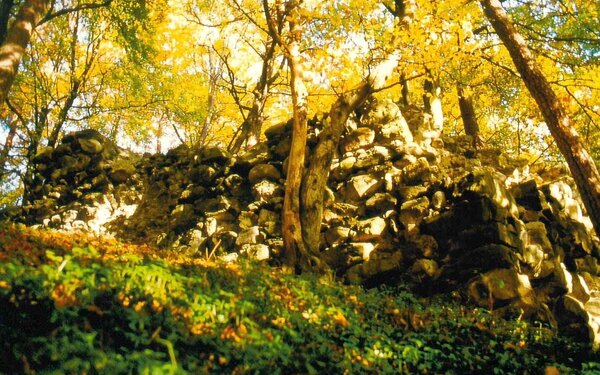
<point>561,254</point>
<point>75,182</point>
<point>179,190</point>
<point>206,202</point>
<point>259,221</point>
<point>380,168</point>
<point>199,200</point>
<point>528,248</point>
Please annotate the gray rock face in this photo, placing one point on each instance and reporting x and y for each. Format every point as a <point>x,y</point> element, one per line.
<point>430,210</point>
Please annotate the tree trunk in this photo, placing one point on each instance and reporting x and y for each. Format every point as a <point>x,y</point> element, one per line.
<point>433,105</point>
<point>16,42</point>
<point>30,180</point>
<point>580,163</point>
<point>252,127</point>
<point>296,252</point>
<point>304,193</point>
<point>467,113</point>
<point>208,120</point>
<point>315,180</point>
<point>210,111</point>
<point>159,135</point>
<point>12,131</point>
<point>64,112</point>
<point>404,100</point>
<point>5,10</point>
<point>404,11</point>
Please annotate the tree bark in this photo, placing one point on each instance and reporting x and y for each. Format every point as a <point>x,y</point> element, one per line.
<point>404,100</point>
<point>30,180</point>
<point>8,143</point>
<point>304,193</point>
<point>433,104</point>
<point>214,72</point>
<point>252,126</point>
<point>5,10</point>
<point>17,39</point>
<point>404,11</point>
<point>315,181</point>
<point>296,253</point>
<point>467,113</point>
<point>582,166</point>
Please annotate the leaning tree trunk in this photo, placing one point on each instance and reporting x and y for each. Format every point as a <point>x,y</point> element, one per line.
<point>211,102</point>
<point>17,39</point>
<point>315,180</point>
<point>252,126</point>
<point>580,163</point>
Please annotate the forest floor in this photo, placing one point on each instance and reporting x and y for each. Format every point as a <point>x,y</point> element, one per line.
<point>71,303</point>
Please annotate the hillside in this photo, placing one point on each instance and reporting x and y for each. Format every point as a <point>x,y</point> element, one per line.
<point>452,238</point>
<point>73,303</point>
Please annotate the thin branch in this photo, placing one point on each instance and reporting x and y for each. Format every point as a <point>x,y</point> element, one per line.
<point>62,12</point>
<point>582,106</point>
<point>14,110</point>
<point>504,67</point>
<point>543,153</point>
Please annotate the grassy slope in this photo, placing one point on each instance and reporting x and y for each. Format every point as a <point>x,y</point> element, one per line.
<point>76,304</point>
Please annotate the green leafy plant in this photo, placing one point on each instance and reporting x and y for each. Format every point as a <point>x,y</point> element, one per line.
<point>72,307</point>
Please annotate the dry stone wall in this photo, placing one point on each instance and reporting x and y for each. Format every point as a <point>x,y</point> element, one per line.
<point>401,203</point>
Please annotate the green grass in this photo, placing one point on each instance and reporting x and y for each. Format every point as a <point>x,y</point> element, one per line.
<point>74,304</point>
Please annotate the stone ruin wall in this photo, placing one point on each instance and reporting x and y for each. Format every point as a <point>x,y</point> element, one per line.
<point>402,203</point>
